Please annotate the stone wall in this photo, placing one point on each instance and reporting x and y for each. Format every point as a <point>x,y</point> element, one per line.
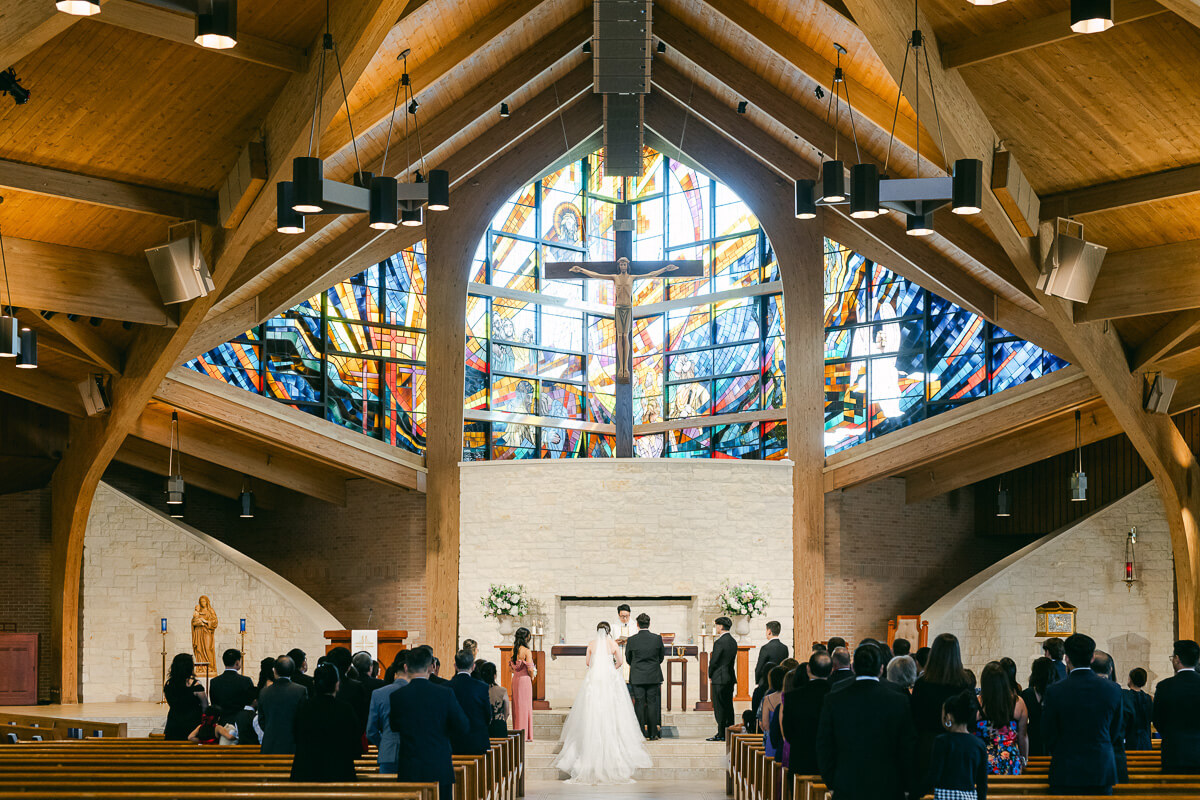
<point>993,613</point>
<point>139,566</point>
<point>25,572</point>
<point>607,528</point>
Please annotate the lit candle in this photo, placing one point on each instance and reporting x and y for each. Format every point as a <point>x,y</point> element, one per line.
<point>164,624</point>
<point>243,622</point>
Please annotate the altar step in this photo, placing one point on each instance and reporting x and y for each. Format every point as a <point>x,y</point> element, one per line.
<point>547,725</point>
<point>678,760</point>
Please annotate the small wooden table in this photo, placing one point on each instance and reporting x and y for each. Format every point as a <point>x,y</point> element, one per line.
<point>539,683</point>
<point>681,683</point>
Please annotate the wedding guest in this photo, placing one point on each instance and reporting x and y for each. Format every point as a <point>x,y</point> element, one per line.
<point>1002,723</point>
<point>231,690</point>
<point>185,698</point>
<point>1138,711</point>
<point>842,671</point>
<point>1041,675</point>
<point>1177,711</point>
<point>524,670</point>
<point>1010,669</point>
<point>922,658</point>
<point>365,666</point>
<point>722,675</point>
<point>435,676</point>
<point>501,709</point>
<point>210,730</point>
<point>266,675</point>
<point>474,699</point>
<point>943,678</point>
<point>901,647</point>
<point>300,673</point>
<point>834,643</point>
<point>958,761</point>
<point>426,717</point>
<point>327,733</point>
<point>801,714</point>
<point>379,732</point>
<point>902,672</point>
<point>472,647</point>
<point>350,688</point>
<point>771,654</point>
<point>768,709</point>
<point>277,709</point>
<point>1053,649</point>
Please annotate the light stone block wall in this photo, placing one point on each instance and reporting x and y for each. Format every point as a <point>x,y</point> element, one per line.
<point>613,528</point>
<point>1082,564</point>
<point>140,565</point>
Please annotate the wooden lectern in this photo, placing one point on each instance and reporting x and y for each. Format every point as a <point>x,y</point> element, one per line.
<point>390,643</point>
<point>539,683</point>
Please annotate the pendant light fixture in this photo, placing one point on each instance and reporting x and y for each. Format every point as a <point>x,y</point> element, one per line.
<point>1091,16</point>
<point>1078,478</point>
<point>216,24</point>
<point>1003,506</point>
<point>27,358</point>
<point>806,208</point>
<point>175,485</point>
<point>10,334</point>
<point>246,500</point>
<point>1130,577</point>
<point>833,171</point>
<point>78,8</point>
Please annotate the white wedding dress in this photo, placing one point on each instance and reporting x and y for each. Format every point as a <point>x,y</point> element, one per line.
<point>602,742</point>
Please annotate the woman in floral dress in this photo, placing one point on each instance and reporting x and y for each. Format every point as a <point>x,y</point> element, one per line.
<point>1003,722</point>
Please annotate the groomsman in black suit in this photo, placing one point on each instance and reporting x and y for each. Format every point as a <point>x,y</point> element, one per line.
<point>231,691</point>
<point>722,674</point>
<point>426,717</point>
<point>644,653</point>
<point>472,695</point>
<point>1177,711</point>
<point>771,654</point>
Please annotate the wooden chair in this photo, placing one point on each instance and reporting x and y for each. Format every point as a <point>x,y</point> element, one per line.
<point>908,626</point>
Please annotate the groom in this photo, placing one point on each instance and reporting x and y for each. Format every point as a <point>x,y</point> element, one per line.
<point>644,653</point>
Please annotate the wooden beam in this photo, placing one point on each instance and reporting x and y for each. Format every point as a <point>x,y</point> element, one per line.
<point>290,429</point>
<point>360,28</point>
<point>39,387</point>
<point>107,193</point>
<point>1098,349</point>
<point>1164,340</point>
<point>1122,194</point>
<point>89,342</point>
<point>245,181</point>
<point>26,25</point>
<point>71,280</point>
<point>178,27</point>
<point>1146,281</point>
<point>1188,9</point>
<point>1035,33</point>
<point>215,445</point>
<point>961,429</point>
<point>152,458</point>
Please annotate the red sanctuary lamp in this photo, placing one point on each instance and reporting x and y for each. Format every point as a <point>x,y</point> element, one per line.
<point>1130,558</point>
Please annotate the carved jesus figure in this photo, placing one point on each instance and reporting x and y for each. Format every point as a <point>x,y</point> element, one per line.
<point>623,308</point>
<point>204,625</point>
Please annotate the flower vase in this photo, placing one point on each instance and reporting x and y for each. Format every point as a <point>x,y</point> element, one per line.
<point>507,624</point>
<point>741,625</point>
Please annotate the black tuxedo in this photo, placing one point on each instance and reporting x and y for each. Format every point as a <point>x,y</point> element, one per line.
<point>771,654</point>
<point>722,673</point>
<point>1177,717</point>
<point>473,697</point>
<point>230,692</point>
<point>426,717</point>
<point>801,717</point>
<point>644,653</point>
<point>840,675</point>
<point>1083,730</point>
<point>866,742</point>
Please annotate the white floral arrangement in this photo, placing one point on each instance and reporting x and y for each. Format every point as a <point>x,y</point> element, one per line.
<point>505,600</point>
<point>743,599</point>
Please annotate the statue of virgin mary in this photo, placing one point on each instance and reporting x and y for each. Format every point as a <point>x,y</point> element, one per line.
<point>204,625</point>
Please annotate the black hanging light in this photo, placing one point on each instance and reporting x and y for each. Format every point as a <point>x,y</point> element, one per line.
<point>10,333</point>
<point>28,357</point>
<point>806,207</point>
<point>1003,506</point>
<point>833,172</point>
<point>967,186</point>
<point>216,24</point>
<point>288,220</point>
<point>864,191</point>
<point>439,190</point>
<point>504,111</point>
<point>1078,477</point>
<point>175,485</point>
<point>1091,16</point>
<point>246,501</point>
<point>919,224</point>
<point>78,8</point>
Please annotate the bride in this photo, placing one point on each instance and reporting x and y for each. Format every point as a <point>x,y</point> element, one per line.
<point>602,742</point>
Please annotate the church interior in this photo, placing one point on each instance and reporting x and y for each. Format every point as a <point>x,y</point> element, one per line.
<point>380,324</point>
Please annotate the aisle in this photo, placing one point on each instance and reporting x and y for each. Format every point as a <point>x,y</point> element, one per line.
<point>650,790</point>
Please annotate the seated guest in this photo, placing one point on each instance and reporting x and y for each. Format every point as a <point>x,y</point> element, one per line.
<point>1041,675</point>
<point>501,708</point>
<point>943,678</point>
<point>922,658</point>
<point>842,670</point>
<point>185,698</point>
<point>327,735</point>
<point>231,690</point>
<point>800,714</point>
<point>300,673</point>
<point>1052,649</point>
<point>1177,711</point>
<point>769,708</point>
<point>426,717</point>
<point>476,703</point>
<point>1003,722</point>
<point>1138,711</point>
<point>901,647</point>
<point>1010,669</point>
<point>210,730</point>
<point>365,666</point>
<point>958,762</point>
<point>379,732</point>
<point>243,725</point>
<point>902,672</point>
<point>1081,724</point>
<point>865,740</point>
<point>277,709</point>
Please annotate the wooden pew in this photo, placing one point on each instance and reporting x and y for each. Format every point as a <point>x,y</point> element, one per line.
<point>28,733</point>
<point>70,728</point>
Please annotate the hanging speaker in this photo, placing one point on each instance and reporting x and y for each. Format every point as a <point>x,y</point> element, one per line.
<point>1159,391</point>
<point>1071,264</point>
<point>94,394</point>
<point>178,266</point>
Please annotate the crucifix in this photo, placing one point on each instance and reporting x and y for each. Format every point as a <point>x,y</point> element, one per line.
<point>623,271</point>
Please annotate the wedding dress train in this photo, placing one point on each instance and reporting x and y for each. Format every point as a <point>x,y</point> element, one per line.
<point>602,742</point>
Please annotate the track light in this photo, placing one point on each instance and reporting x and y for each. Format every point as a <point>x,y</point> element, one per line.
<point>920,224</point>
<point>439,190</point>
<point>288,219</point>
<point>504,110</point>
<point>216,24</point>
<point>833,182</point>
<point>411,217</point>
<point>383,212</point>
<point>308,175</point>
<point>966,191</point>
<point>864,191</point>
<point>1091,16</point>
<point>28,356</point>
<point>806,207</point>
<point>741,107</point>
<point>78,8</point>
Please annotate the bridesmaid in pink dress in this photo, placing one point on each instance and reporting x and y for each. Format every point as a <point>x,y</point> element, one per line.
<point>523,673</point>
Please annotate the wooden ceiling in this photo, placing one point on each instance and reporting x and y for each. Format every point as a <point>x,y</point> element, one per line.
<point>131,128</point>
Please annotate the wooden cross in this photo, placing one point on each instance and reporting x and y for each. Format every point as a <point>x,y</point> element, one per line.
<point>623,271</point>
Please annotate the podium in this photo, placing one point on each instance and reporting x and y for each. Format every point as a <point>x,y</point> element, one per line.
<point>539,683</point>
<point>390,643</point>
<point>743,678</point>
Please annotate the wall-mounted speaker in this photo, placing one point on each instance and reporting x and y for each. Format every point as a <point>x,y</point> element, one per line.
<point>1159,391</point>
<point>94,394</point>
<point>1070,265</point>
<point>179,267</point>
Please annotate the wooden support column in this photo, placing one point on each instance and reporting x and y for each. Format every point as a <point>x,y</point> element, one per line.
<point>451,239</point>
<point>799,248</point>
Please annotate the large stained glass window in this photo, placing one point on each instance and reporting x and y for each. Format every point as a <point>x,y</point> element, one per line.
<point>896,353</point>
<point>354,354</point>
<point>541,355</point>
